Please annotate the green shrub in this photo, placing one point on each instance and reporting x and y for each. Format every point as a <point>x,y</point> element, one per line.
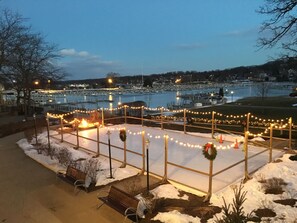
<point>233,213</point>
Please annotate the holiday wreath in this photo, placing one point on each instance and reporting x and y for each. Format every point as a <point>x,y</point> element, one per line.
<point>123,135</point>
<point>210,155</point>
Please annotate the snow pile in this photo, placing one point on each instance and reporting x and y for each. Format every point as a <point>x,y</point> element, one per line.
<point>168,191</point>
<point>257,139</point>
<point>175,217</point>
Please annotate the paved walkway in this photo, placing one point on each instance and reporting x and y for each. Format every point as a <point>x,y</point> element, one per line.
<point>30,193</point>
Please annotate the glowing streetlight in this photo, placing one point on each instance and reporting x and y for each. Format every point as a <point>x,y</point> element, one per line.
<point>109,81</point>
<point>178,80</point>
<point>36,82</point>
<point>232,92</point>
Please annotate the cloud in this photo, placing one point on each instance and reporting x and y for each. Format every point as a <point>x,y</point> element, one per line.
<point>242,33</point>
<point>73,53</point>
<point>186,46</point>
<point>83,65</point>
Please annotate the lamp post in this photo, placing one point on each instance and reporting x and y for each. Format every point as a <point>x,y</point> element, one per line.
<point>211,95</point>
<point>48,137</point>
<point>35,128</point>
<point>147,142</point>
<point>49,83</point>
<point>232,92</point>
<point>109,154</point>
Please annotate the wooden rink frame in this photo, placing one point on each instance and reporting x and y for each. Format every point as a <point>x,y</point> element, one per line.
<point>162,122</point>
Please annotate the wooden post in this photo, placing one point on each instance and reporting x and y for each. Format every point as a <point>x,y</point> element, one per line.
<point>98,140</point>
<point>185,121</point>
<point>125,113</point>
<point>62,127</point>
<point>290,133</point>
<point>246,173</point>
<point>165,158</point>
<point>212,124</point>
<point>125,155</point>
<point>147,142</point>
<point>209,193</point>
<point>77,137</point>
<point>162,118</point>
<point>142,113</point>
<point>102,117</point>
<point>281,127</point>
<point>270,143</point>
<point>143,152</point>
<point>248,121</point>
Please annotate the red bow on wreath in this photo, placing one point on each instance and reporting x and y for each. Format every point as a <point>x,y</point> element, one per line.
<point>207,147</point>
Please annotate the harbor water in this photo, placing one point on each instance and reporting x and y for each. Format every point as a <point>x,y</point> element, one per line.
<point>159,98</point>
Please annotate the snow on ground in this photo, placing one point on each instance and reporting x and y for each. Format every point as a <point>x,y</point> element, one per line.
<point>184,150</point>
<point>167,191</point>
<point>103,176</point>
<point>256,198</point>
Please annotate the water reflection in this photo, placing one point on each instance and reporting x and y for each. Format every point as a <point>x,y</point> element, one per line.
<point>163,98</point>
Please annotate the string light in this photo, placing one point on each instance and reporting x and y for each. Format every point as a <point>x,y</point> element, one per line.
<point>229,119</point>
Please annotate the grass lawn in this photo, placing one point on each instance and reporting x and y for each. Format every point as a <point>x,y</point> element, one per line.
<point>270,107</point>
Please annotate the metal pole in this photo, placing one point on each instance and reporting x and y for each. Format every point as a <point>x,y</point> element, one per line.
<point>109,154</point>
<point>185,119</point>
<point>48,138</point>
<point>270,143</point>
<point>147,167</point>
<point>281,127</point>
<point>35,128</point>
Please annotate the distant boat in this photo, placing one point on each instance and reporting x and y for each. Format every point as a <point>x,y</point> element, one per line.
<point>197,100</point>
<point>294,92</point>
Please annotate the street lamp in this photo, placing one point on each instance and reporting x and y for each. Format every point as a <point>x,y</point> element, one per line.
<point>49,83</point>
<point>147,142</point>
<point>35,128</point>
<point>232,92</point>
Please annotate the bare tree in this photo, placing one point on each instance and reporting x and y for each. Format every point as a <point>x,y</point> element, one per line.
<point>262,89</point>
<point>281,28</point>
<point>26,58</point>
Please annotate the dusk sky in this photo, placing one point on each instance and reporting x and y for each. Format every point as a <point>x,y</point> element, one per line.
<point>131,37</point>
